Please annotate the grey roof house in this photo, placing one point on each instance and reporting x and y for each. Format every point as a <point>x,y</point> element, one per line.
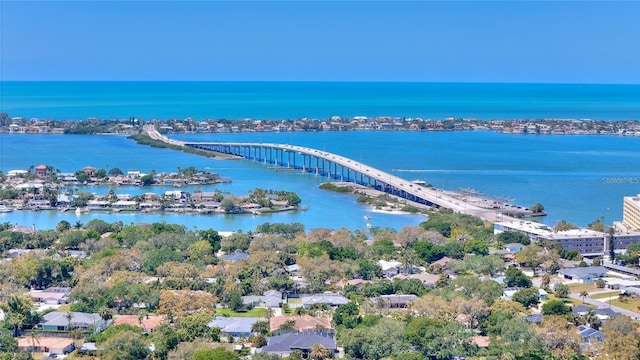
<point>513,247</point>
<point>331,299</point>
<point>266,301</point>
<point>583,275</point>
<point>66,321</point>
<point>234,327</point>
<point>393,301</point>
<point>235,257</point>
<point>588,334</point>
<point>283,345</point>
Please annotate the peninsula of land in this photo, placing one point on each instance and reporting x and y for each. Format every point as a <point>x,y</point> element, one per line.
<point>21,125</point>
<point>44,187</point>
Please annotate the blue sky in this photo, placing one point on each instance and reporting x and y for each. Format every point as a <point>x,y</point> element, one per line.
<point>426,41</point>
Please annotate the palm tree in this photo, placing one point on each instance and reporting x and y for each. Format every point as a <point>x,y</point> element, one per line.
<point>261,327</point>
<point>69,317</point>
<point>35,338</point>
<point>296,354</point>
<point>105,314</point>
<point>317,352</point>
<point>583,295</point>
<point>299,311</point>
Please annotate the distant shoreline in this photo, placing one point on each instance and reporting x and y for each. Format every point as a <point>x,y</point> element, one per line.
<point>132,126</point>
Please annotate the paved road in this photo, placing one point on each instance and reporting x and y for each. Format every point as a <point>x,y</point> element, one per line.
<point>600,305</point>
<point>432,195</point>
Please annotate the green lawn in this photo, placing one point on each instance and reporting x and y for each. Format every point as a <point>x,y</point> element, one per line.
<point>605,295</point>
<point>567,301</point>
<point>630,304</point>
<point>64,308</point>
<point>255,312</point>
<point>578,288</point>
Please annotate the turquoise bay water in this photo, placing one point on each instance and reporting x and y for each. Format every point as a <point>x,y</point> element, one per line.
<point>291,100</point>
<point>570,175</point>
<point>70,153</point>
<point>574,177</point>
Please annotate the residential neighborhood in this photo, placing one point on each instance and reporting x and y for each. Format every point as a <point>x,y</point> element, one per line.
<point>162,291</point>
<point>545,126</point>
<point>44,188</point>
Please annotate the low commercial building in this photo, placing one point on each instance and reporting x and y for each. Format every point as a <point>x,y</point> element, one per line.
<point>584,241</point>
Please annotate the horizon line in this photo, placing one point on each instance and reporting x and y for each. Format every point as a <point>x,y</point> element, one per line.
<point>326,81</point>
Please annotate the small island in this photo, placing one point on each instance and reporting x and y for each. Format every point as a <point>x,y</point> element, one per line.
<point>44,187</point>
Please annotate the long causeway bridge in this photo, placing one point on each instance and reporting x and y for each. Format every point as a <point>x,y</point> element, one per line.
<point>338,168</point>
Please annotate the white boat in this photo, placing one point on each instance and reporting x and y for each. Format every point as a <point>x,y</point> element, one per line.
<point>367,217</point>
<point>4,209</point>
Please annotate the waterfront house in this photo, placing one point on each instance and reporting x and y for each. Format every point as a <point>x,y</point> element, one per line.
<point>150,205</point>
<point>125,204</point>
<point>97,204</point>
<point>64,200</point>
<point>124,197</point>
<point>203,196</point>
<point>38,204</point>
<point>41,171</point>
<point>89,170</point>
<point>16,129</point>
<point>176,195</point>
<point>17,173</point>
<point>250,207</point>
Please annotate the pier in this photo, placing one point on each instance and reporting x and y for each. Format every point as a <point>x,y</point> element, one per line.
<point>339,168</point>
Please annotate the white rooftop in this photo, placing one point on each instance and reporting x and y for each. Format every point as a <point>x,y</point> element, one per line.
<point>546,231</point>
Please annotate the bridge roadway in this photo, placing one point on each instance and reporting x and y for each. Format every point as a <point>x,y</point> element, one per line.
<point>377,178</point>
